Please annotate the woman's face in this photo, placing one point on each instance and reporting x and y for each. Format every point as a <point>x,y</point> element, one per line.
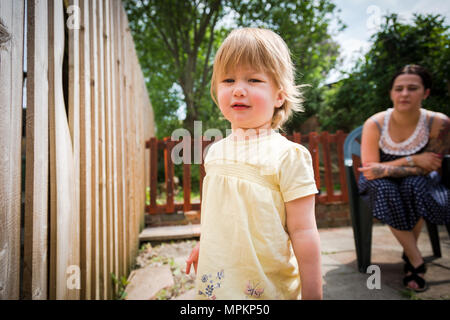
<point>408,92</point>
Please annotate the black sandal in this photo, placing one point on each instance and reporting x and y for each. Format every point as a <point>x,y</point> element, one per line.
<point>414,276</point>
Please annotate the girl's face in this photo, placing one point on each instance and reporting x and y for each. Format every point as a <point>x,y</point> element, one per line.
<point>408,92</point>
<point>248,98</point>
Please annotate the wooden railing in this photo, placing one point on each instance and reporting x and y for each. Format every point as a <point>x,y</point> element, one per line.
<point>320,146</point>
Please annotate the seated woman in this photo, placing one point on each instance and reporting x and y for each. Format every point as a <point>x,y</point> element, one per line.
<point>400,147</point>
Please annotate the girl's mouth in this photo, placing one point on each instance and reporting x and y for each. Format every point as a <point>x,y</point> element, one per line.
<point>240,106</point>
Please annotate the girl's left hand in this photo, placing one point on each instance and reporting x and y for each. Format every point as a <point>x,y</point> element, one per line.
<point>372,170</point>
<point>193,259</point>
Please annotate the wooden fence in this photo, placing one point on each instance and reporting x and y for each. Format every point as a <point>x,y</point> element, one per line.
<point>320,146</point>
<point>86,117</point>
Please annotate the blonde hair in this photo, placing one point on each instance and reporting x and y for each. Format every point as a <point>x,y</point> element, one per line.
<point>266,51</point>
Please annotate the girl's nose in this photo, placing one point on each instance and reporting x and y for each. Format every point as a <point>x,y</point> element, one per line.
<point>239,91</point>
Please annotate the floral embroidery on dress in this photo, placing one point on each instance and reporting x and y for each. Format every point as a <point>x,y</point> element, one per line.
<point>252,289</point>
<point>211,283</point>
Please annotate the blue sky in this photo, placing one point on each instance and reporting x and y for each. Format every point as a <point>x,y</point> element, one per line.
<point>362,16</point>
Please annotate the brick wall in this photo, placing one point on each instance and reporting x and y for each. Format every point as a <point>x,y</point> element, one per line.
<point>327,216</point>
<point>333,215</point>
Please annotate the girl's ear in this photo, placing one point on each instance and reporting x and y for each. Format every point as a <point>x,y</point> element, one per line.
<point>426,94</point>
<point>280,98</point>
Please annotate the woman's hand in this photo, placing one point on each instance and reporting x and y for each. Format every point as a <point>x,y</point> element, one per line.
<point>373,170</point>
<point>193,259</point>
<point>429,161</point>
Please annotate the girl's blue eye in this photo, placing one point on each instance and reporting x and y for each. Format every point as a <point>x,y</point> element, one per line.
<point>255,80</point>
<point>228,80</point>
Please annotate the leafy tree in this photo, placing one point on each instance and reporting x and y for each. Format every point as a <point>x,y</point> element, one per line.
<point>176,42</point>
<point>366,91</point>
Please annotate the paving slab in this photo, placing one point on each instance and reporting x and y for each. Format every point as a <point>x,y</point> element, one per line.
<point>188,295</point>
<point>146,282</point>
<point>342,280</point>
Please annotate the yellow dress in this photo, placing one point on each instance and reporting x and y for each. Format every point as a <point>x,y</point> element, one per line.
<point>245,251</point>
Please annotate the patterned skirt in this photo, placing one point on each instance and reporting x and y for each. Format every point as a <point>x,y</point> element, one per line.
<point>400,202</point>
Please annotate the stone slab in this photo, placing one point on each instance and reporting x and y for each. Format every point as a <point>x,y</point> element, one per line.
<point>145,283</point>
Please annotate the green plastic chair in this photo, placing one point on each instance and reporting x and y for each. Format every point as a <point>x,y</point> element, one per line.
<point>360,212</point>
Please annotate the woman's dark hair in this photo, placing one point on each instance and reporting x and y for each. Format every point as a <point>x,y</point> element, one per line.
<point>417,70</point>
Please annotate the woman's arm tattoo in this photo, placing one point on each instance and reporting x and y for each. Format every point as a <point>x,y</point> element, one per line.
<point>441,143</point>
<point>382,170</point>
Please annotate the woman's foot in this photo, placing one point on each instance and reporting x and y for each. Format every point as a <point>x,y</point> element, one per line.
<point>414,278</point>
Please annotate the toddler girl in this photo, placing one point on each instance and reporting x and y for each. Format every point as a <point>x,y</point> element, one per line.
<point>259,238</point>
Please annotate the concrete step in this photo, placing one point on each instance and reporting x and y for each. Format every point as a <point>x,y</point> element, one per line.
<point>170,233</point>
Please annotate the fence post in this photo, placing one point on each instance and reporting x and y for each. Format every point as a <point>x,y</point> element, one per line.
<point>314,150</point>
<point>298,137</point>
<point>325,139</point>
<point>153,173</point>
<point>340,138</point>
<point>187,160</point>
<point>169,173</point>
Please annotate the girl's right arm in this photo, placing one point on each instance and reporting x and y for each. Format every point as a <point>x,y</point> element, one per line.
<point>193,259</point>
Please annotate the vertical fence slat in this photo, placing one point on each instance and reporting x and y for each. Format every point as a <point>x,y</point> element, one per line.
<point>129,116</point>
<point>101,144</point>
<point>108,146</point>
<point>118,136</point>
<point>134,89</point>
<point>114,102</point>
<point>325,140</point>
<point>169,173</point>
<point>153,173</point>
<point>86,230</point>
<point>64,213</point>
<point>36,182</point>
<point>73,87</point>
<point>297,137</point>
<point>95,159</point>
<point>134,144</point>
<point>187,159</point>
<point>11,13</point>
<point>125,172</point>
<point>340,138</point>
<point>313,147</point>
<point>73,30</point>
<point>140,149</point>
